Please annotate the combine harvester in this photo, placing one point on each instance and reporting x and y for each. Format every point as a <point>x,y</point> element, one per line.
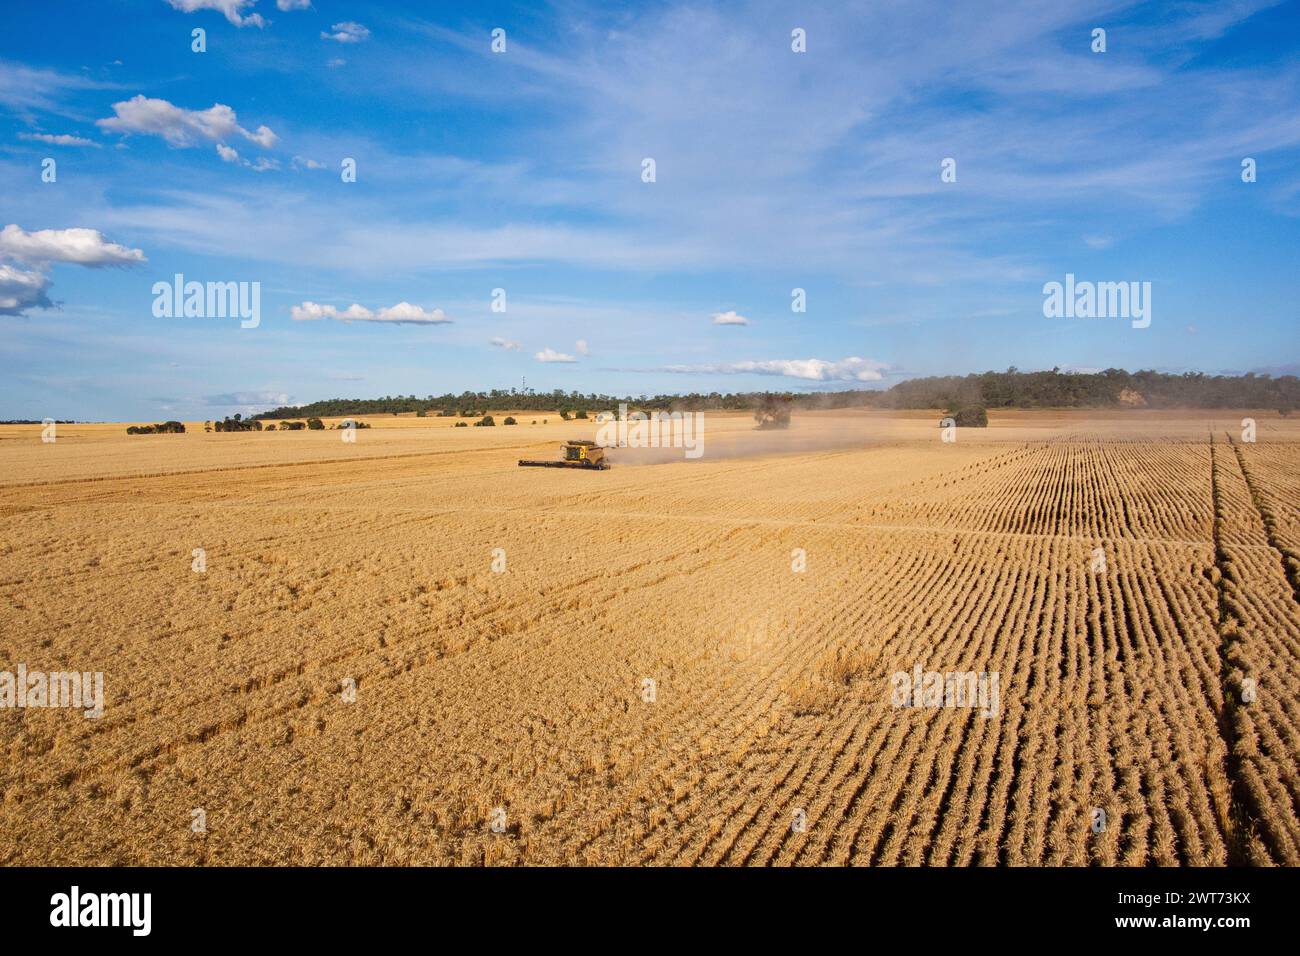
<point>577,454</point>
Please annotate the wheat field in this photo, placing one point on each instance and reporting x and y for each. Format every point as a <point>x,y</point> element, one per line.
<point>668,663</point>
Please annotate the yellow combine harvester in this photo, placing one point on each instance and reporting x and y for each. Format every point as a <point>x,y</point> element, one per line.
<point>576,454</point>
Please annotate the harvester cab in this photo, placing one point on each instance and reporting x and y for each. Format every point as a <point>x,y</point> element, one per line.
<point>574,454</point>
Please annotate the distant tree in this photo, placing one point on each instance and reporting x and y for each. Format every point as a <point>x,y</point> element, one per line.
<point>509,421</point>
<point>968,416</point>
<point>315,424</point>
<point>566,414</point>
<point>165,428</point>
<point>582,413</point>
<point>462,425</point>
<point>485,421</point>
<point>271,427</point>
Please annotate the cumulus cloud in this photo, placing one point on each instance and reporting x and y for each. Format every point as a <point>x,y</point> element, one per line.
<point>86,247</point>
<point>233,10</point>
<point>729,318</point>
<point>28,288</point>
<point>287,5</point>
<point>61,139</point>
<point>550,355</point>
<point>179,126</point>
<point>851,369</point>
<point>303,162</point>
<point>404,313</point>
<point>348,31</point>
<point>510,345</point>
<point>22,289</point>
<point>581,346</point>
<point>227,154</point>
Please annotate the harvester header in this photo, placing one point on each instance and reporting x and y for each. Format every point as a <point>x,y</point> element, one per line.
<point>574,454</point>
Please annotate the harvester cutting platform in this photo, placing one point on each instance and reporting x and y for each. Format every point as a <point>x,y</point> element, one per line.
<point>576,454</point>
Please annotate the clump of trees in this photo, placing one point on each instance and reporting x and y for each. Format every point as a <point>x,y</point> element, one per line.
<point>349,423</point>
<point>968,416</point>
<point>509,421</point>
<point>163,428</point>
<point>292,426</point>
<point>486,421</point>
<point>315,424</point>
<point>237,423</point>
<point>462,424</point>
<point>774,411</point>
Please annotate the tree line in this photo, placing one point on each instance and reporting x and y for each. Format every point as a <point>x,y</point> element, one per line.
<point>1112,388</point>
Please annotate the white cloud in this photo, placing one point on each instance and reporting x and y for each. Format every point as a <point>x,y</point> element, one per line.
<point>335,62</point>
<point>22,289</point>
<point>508,344</point>
<point>62,139</point>
<point>231,9</point>
<point>179,126</point>
<point>581,346</point>
<point>729,318</point>
<point>403,313</point>
<point>262,164</point>
<point>287,5</point>
<point>303,162</point>
<point>348,31</point>
<point>851,369</point>
<point>86,247</point>
<point>550,355</point>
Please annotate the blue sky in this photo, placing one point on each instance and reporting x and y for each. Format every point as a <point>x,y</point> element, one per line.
<point>522,171</point>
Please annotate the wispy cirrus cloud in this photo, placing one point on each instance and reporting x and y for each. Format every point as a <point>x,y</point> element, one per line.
<point>27,89</point>
<point>852,369</point>
<point>58,139</point>
<point>266,398</point>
